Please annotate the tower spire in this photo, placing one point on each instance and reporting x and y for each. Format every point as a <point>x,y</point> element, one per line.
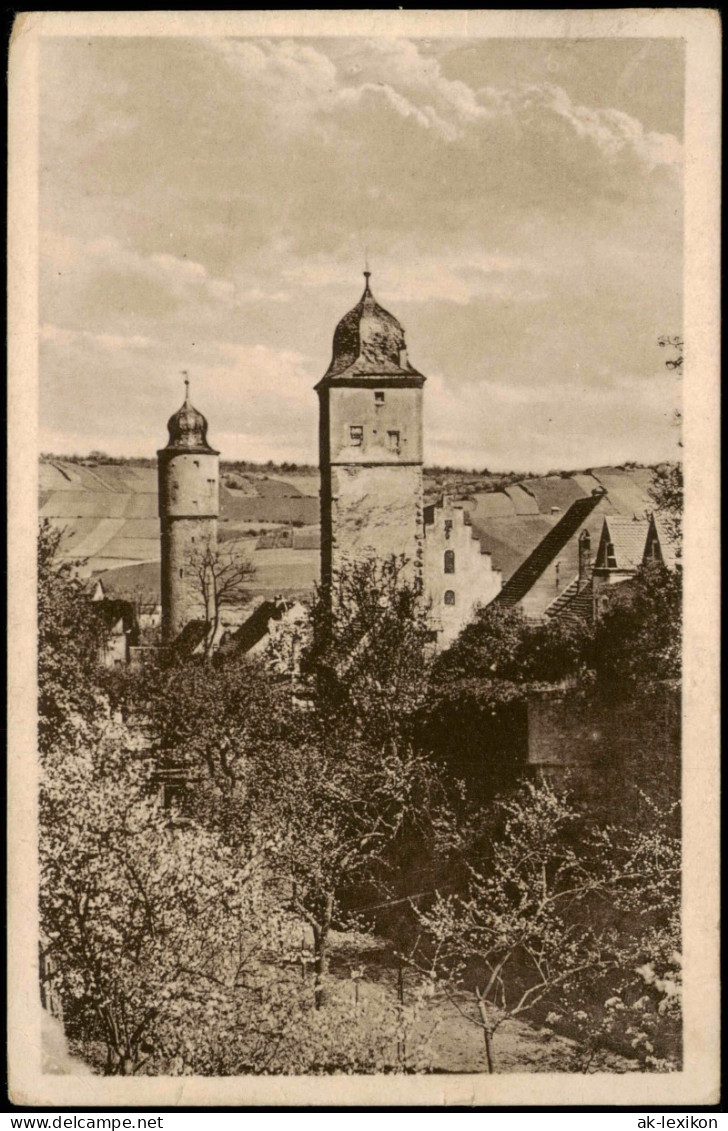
<point>367,272</point>
<point>186,376</point>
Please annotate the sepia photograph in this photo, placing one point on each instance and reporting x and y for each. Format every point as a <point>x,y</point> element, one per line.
<point>366,690</point>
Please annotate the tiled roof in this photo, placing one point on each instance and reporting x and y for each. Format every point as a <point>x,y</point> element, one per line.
<point>628,536</point>
<point>188,640</point>
<point>527,574</point>
<point>554,491</point>
<point>524,502</point>
<point>510,540</point>
<point>572,603</point>
<point>668,545</point>
<point>493,504</point>
<point>626,494</point>
<point>256,626</point>
<point>134,579</point>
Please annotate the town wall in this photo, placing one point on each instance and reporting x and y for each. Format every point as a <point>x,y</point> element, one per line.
<point>608,746</point>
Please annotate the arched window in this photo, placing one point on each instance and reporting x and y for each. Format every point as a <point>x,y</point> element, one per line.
<point>585,540</point>
<point>449,597</point>
<point>449,561</point>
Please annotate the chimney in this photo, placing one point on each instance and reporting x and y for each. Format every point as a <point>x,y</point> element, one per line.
<point>585,559</point>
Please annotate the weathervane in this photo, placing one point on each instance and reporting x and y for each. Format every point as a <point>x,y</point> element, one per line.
<point>186,376</point>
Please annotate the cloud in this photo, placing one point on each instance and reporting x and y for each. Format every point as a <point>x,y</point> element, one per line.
<point>105,281</point>
<point>203,196</point>
<point>547,111</point>
<point>62,336</point>
<point>129,386</point>
<point>456,277</point>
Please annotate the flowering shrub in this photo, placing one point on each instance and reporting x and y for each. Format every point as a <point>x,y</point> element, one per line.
<point>570,921</point>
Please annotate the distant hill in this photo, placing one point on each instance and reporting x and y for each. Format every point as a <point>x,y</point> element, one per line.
<point>108,514</point>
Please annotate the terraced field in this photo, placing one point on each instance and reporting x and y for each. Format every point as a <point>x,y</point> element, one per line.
<point>108,514</point>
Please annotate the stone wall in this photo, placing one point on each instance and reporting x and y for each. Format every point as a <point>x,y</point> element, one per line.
<point>607,748</point>
<point>188,509</point>
<point>378,412</point>
<point>376,510</point>
<point>182,599</point>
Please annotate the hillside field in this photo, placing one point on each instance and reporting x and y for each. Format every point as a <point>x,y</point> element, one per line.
<point>108,514</point>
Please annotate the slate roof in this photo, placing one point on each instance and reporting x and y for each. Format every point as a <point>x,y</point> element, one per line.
<point>369,341</point>
<point>187,429</point>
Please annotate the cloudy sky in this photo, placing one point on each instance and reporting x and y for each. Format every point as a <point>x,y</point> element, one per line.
<point>206,204</point>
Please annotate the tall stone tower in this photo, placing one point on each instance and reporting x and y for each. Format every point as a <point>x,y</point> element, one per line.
<point>188,509</point>
<point>370,443</point>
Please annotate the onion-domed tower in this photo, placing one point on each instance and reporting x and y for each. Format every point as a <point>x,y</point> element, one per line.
<point>370,443</point>
<point>188,510</point>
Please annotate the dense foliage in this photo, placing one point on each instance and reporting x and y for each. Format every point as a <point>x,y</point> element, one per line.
<point>637,642</point>
<point>192,930</point>
<point>571,921</point>
<point>69,637</point>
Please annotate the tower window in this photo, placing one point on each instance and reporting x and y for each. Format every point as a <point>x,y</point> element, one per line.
<point>181,573</point>
<point>378,396</point>
<point>611,556</point>
<point>449,597</point>
<point>449,561</point>
<point>356,435</point>
<point>393,441</point>
<point>448,527</point>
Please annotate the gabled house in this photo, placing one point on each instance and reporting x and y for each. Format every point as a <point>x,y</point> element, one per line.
<point>267,621</point>
<point>120,623</point>
<point>660,545</point>
<point>623,545</point>
<point>539,581</point>
<point>622,548</point>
